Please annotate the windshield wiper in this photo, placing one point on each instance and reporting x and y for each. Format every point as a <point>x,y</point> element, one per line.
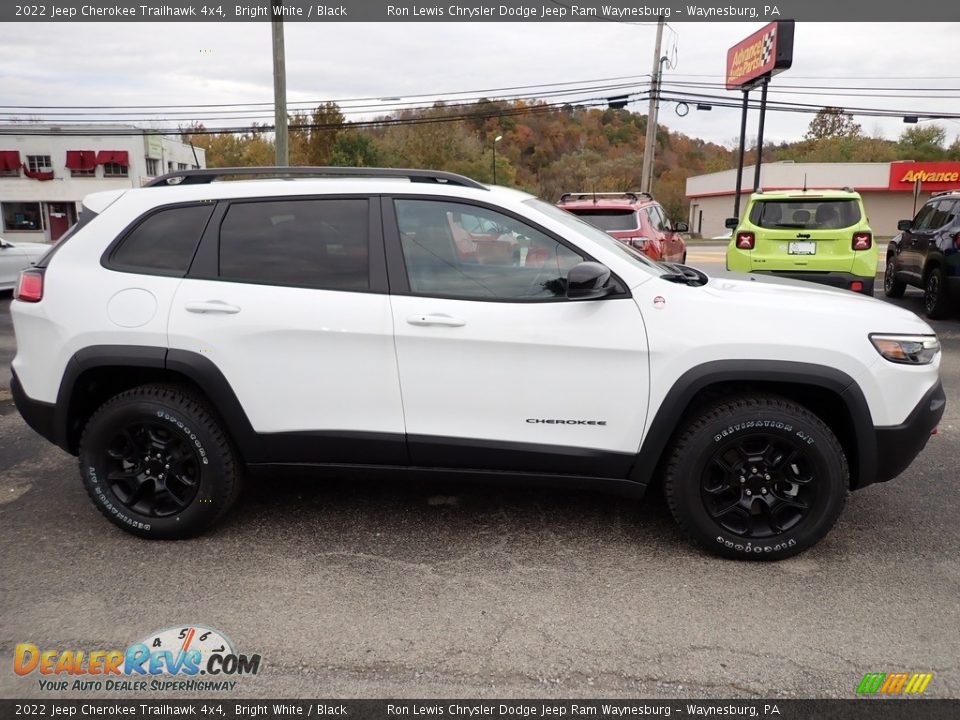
<point>684,274</point>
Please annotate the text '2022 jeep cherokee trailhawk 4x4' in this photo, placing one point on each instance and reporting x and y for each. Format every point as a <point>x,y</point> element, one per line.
<point>187,333</point>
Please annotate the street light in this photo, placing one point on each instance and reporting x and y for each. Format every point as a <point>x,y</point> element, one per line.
<point>497,139</point>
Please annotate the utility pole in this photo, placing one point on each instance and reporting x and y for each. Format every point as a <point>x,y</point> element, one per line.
<point>646,177</point>
<point>279,90</point>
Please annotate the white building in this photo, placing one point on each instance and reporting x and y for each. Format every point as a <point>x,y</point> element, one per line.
<point>46,170</point>
<point>887,189</point>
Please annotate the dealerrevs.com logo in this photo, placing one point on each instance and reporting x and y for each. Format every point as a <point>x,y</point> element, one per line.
<point>189,658</point>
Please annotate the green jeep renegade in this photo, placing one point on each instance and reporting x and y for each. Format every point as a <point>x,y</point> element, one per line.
<point>816,235</point>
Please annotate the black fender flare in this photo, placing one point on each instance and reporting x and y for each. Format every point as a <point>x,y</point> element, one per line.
<point>686,388</point>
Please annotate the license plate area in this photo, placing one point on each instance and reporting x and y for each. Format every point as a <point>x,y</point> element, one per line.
<point>802,247</point>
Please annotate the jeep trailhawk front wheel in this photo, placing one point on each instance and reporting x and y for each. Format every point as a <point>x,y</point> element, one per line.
<point>756,478</point>
<point>156,463</point>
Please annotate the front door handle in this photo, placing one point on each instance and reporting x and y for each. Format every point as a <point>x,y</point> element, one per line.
<point>212,306</point>
<point>437,319</point>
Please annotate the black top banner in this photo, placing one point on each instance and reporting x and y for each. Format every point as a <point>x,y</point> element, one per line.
<point>477,11</point>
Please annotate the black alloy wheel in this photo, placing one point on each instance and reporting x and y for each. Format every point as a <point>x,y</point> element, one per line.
<point>759,486</point>
<point>151,470</point>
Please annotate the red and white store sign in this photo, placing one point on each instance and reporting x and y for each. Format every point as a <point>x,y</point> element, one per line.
<point>933,176</point>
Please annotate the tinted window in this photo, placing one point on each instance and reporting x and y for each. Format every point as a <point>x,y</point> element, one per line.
<point>456,250</point>
<point>944,213</point>
<point>806,214</point>
<point>657,221</point>
<point>164,241</point>
<point>608,220</point>
<point>922,220</point>
<point>303,243</point>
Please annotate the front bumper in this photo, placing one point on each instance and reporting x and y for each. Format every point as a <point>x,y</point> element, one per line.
<point>898,445</point>
<point>833,279</point>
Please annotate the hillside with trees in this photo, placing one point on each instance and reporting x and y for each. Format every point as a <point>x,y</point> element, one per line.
<point>546,149</point>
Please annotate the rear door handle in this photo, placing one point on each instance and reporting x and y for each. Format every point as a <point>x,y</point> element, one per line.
<point>212,306</point>
<point>437,319</point>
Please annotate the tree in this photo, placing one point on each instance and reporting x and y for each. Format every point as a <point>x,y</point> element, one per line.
<point>922,142</point>
<point>832,122</point>
<point>354,148</point>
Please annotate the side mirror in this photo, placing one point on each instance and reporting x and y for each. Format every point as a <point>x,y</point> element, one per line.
<point>731,223</point>
<point>588,280</point>
<point>905,225</point>
<point>681,227</point>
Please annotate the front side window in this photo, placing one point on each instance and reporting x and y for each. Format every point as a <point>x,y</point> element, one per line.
<point>164,241</point>
<point>322,244</point>
<point>944,213</point>
<point>458,250</point>
<point>656,218</point>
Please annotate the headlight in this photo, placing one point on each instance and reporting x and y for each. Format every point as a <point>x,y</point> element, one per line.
<point>907,349</point>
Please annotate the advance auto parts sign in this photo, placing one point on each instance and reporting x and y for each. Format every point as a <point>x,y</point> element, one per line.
<point>933,176</point>
<point>767,52</point>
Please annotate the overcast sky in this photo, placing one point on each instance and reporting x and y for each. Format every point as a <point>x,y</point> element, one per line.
<point>191,63</point>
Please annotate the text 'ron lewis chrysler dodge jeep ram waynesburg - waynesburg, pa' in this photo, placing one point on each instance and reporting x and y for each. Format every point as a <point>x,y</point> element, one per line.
<point>192,332</point>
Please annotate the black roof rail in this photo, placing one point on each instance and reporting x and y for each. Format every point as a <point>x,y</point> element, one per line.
<point>209,175</point>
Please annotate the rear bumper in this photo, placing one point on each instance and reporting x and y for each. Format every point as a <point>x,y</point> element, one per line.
<point>833,279</point>
<point>38,415</point>
<point>898,445</point>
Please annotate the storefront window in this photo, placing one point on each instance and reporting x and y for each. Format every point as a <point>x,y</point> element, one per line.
<point>22,216</point>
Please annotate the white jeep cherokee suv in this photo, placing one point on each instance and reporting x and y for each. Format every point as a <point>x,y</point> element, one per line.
<point>193,331</point>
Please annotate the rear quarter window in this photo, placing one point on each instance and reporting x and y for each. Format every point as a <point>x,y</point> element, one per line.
<point>163,242</point>
<point>806,214</point>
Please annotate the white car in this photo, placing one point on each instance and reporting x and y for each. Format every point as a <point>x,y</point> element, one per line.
<point>193,330</point>
<point>14,257</point>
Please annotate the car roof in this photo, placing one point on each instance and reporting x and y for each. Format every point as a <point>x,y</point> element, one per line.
<point>801,194</point>
<point>280,188</point>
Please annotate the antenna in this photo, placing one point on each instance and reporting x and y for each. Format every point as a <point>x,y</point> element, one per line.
<point>804,182</point>
<point>594,192</point>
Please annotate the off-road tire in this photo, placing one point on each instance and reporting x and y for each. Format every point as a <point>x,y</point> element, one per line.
<point>721,430</point>
<point>936,299</point>
<point>202,449</point>
<point>892,287</point>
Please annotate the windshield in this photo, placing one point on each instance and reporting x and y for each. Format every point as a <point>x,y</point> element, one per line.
<point>806,214</point>
<point>608,220</point>
<point>598,236</point>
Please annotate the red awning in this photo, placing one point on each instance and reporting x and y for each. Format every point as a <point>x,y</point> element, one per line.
<point>120,157</point>
<point>81,160</point>
<point>37,175</point>
<point>9,159</point>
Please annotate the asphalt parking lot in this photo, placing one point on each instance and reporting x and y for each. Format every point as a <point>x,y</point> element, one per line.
<point>397,589</point>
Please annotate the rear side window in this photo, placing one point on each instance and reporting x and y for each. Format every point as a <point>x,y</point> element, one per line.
<point>164,241</point>
<point>806,214</point>
<point>321,244</point>
<point>944,213</point>
<point>609,220</point>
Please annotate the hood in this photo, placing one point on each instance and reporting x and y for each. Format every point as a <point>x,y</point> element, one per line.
<point>30,247</point>
<point>794,299</point>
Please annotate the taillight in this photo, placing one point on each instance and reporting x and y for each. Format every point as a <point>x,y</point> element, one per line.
<point>29,286</point>
<point>746,240</point>
<point>956,241</point>
<point>862,241</point>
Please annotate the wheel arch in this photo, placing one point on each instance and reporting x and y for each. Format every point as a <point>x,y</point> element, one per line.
<point>97,373</point>
<point>829,393</point>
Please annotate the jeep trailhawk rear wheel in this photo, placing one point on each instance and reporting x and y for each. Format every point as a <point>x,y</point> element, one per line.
<point>756,478</point>
<point>156,463</point>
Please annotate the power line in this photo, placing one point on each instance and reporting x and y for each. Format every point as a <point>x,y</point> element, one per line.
<point>313,103</point>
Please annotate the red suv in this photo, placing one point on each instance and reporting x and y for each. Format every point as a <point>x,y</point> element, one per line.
<point>633,218</point>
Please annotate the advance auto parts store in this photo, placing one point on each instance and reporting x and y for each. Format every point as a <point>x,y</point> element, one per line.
<point>886,188</point>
